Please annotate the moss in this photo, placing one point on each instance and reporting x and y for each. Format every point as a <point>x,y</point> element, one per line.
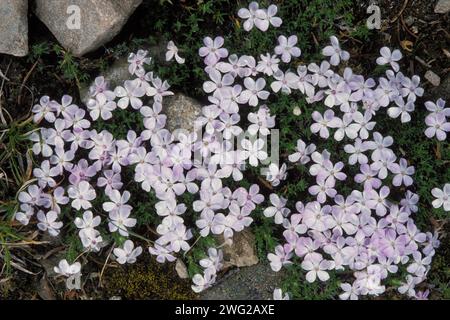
<point>148,279</point>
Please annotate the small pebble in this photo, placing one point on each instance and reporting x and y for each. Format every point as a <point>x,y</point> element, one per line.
<point>433,78</point>
<point>443,6</point>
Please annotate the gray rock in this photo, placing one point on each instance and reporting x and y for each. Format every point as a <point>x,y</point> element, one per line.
<point>251,283</point>
<point>14,27</point>
<point>100,21</point>
<point>181,110</point>
<point>443,6</point>
<point>241,252</point>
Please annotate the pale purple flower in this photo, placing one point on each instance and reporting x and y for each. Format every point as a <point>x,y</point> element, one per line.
<point>161,90</point>
<point>363,123</point>
<point>302,152</point>
<point>403,109</point>
<point>235,67</point>
<point>350,292</point>
<point>254,91</point>
<point>385,159</point>
<point>137,61</point>
<point>45,174</point>
<point>402,173</point>
<point>323,189</point>
<point>240,215</point>
<point>276,174</point>
<point>321,73</point>
<point>178,238</point>
<point>337,94</point>
<point>409,202</point>
<point>422,295</point>
<point>328,120</point>
<point>249,198</point>
<point>284,81</point>
<point>168,184</point>
<point>101,107</point>
<point>287,49</point>
<point>268,64</point>
<point>33,196</point>
<point>317,267</point>
<point>264,18</point>
<point>304,81</point>
<point>127,254</point>
<point>437,126</point>
<point>47,222</point>
<point>91,239</point>
<point>253,151</point>
<point>209,201</point>
<point>82,195</point>
<point>218,82</point>
<point>278,295</point>
<point>408,287</point>
<point>317,217</point>
<point>293,226</point>
<point>66,108</point>
<point>88,221</point>
<point>368,177</point>
<point>278,210</point>
<point>420,265</point>
<point>81,172</point>
<point>171,211</point>
<point>380,144</point>
<point>162,253</point>
<point>205,222</point>
<point>202,282</point>
<point>319,159</point>
<point>388,57</point>
<point>442,197</point>
<point>214,261</point>
<point>119,220</point>
<point>280,258</point>
<point>130,94</point>
<point>44,110</point>
<point>261,121</point>
<point>118,202</point>
<point>213,51</point>
<point>335,52</point>
<point>411,88</point>
<point>356,152</point>
<point>66,269</point>
<point>396,216</point>
<point>172,51</point>
<point>249,14</point>
<point>100,86</point>
<point>346,128</point>
<point>438,107</point>
<point>378,200</point>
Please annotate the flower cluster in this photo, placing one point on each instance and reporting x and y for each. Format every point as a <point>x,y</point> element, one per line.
<point>369,231</point>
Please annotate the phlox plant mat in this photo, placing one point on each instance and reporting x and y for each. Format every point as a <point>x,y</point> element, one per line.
<point>336,194</point>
